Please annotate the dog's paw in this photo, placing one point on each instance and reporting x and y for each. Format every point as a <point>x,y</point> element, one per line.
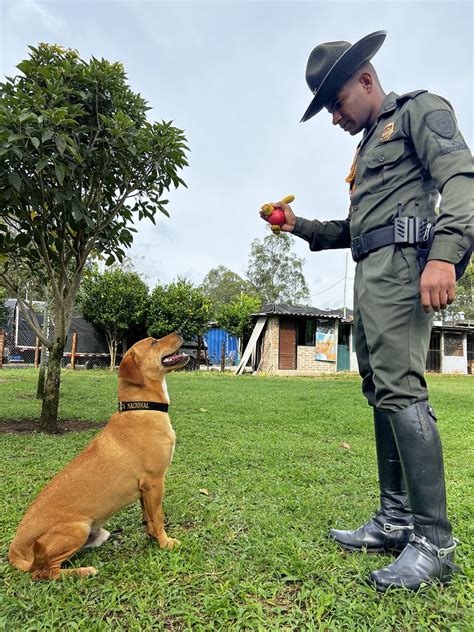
<point>86,571</point>
<point>169,543</point>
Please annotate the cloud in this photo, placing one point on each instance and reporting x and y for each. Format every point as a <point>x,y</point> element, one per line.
<point>23,11</point>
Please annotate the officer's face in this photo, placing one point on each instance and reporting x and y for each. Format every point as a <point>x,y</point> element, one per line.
<point>350,108</point>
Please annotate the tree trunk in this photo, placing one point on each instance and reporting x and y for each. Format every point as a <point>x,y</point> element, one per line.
<point>44,351</point>
<point>41,375</point>
<point>49,411</point>
<point>113,355</point>
<point>112,343</point>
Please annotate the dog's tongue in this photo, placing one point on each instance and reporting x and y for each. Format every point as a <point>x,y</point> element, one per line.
<point>174,358</point>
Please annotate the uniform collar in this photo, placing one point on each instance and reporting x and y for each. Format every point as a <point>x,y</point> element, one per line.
<point>389,104</point>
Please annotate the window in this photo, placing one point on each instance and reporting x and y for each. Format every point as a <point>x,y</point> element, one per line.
<point>453,345</point>
<point>306,332</point>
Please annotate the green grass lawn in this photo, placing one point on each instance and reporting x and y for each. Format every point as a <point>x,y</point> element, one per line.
<point>255,553</point>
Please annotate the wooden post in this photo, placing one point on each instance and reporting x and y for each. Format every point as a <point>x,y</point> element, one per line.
<point>37,352</point>
<point>223,355</point>
<point>199,352</point>
<point>2,343</point>
<point>73,350</point>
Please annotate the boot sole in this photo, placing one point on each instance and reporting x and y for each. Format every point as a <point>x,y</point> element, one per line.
<point>364,549</point>
<point>425,585</point>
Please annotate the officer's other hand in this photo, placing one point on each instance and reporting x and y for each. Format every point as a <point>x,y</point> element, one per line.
<point>290,217</point>
<point>437,285</point>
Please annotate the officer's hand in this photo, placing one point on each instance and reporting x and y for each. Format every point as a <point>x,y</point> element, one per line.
<point>437,285</point>
<point>290,217</point>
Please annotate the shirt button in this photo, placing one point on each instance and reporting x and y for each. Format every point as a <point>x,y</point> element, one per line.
<point>355,208</point>
<point>382,158</point>
<point>358,181</point>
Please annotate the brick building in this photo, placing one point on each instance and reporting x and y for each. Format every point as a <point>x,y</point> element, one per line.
<point>302,340</point>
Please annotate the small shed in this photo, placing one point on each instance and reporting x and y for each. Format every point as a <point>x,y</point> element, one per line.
<point>300,340</point>
<point>451,347</point>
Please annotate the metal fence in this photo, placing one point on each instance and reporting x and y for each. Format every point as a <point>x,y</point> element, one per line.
<point>85,345</point>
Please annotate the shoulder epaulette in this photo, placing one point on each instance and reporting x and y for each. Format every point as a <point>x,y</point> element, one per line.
<point>410,95</point>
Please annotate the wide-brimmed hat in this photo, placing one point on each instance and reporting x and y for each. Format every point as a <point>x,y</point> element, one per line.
<point>331,64</point>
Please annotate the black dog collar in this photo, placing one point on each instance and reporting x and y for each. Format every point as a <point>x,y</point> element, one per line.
<point>127,406</point>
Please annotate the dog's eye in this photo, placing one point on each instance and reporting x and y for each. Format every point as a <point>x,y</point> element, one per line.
<point>153,342</point>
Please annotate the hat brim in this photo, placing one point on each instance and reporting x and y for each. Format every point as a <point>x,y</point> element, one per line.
<point>348,62</point>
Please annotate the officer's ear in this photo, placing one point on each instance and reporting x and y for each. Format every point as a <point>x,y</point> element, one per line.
<point>366,80</point>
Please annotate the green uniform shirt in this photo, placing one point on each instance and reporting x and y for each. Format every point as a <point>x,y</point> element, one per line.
<point>413,152</point>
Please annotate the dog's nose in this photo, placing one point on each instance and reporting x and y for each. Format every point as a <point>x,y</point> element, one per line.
<point>178,333</point>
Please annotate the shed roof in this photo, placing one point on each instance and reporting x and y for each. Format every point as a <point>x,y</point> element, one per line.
<point>284,309</point>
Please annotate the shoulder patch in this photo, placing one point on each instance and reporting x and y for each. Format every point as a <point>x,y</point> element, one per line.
<point>441,122</point>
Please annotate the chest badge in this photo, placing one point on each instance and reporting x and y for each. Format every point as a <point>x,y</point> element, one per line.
<point>388,131</point>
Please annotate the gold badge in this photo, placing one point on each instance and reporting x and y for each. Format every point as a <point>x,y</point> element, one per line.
<point>388,131</point>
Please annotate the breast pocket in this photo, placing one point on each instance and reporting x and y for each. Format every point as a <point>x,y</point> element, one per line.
<point>382,168</point>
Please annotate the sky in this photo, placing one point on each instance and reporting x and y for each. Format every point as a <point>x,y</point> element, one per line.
<point>232,76</point>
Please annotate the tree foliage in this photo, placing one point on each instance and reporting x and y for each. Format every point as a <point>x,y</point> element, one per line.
<point>222,286</point>
<point>79,164</point>
<point>276,271</point>
<point>179,306</point>
<point>235,317</point>
<point>464,299</point>
<point>114,302</point>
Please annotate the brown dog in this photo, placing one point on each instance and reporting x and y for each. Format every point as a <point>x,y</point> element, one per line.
<point>125,462</point>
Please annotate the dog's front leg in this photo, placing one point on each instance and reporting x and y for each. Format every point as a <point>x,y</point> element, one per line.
<point>151,500</point>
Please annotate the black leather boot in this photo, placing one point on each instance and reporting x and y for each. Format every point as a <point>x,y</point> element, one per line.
<point>391,526</point>
<point>429,555</point>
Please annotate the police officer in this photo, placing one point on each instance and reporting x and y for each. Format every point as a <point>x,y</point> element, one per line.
<point>406,254</point>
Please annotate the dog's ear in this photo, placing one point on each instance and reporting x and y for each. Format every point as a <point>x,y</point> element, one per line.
<point>129,370</point>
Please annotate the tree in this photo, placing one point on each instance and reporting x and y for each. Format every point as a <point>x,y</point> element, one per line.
<point>114,302</point>
<point>464,300</point>
<point>276,271</point>
<point>179,306</point>
<point>222,286</point>
<point>235,317</point>
<point>3,309</point>
<point>79,163</point>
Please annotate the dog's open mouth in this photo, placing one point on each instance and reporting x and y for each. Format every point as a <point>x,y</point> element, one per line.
<point>174,359</point>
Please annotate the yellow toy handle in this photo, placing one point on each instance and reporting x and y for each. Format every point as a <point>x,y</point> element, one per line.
<point>268,208</point>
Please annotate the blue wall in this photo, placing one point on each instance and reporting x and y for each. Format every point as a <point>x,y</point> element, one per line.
<point>214,338</point>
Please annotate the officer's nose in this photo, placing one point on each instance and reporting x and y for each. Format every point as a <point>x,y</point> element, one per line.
<point>336,117</point>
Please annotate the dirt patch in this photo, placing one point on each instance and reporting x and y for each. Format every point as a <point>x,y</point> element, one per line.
<point>30,426</point>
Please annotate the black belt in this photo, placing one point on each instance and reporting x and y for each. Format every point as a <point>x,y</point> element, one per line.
<point>405,231</point>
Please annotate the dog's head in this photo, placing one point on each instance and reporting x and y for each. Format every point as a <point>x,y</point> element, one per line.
<point>152,358</point>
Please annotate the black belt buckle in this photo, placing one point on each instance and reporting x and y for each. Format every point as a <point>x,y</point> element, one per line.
<point>359,247</point>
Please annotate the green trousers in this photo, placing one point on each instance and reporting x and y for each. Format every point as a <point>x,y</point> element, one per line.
<point>391,330</point>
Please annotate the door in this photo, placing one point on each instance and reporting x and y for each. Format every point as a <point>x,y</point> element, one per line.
<point>287,346</point>
<point>433,360</point>
<point>343,357</point>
